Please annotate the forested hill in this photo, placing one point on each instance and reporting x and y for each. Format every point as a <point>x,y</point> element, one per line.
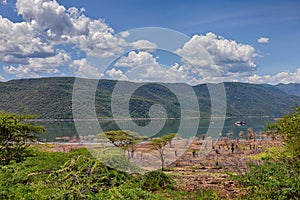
<point>52,98</point>
<point>291,88</point>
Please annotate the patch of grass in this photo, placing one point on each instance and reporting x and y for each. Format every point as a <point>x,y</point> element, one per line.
<point>274,153</point>
<point>79,175</point>
<point>157,180</point>
<point>278,179</point>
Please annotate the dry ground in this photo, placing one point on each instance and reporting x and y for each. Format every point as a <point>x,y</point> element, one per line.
<point>193,170</point>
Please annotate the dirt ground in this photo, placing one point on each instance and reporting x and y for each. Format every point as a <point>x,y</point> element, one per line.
<point>204,164</point>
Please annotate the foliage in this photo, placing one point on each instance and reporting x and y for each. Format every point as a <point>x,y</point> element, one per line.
<point>159,144</point>
<point>82,177</point>
<point>290,88</point>
<point>157,180</point>
<point>288,128</point>
<point>52,98</point>
<point>26,180</point>
<point>124,139</point>
<point>115,158</point>
<point>273,180</point>
<point>273,153</point>
<point>16,135</point>
<point>78,175</point>
<point>279,175</point>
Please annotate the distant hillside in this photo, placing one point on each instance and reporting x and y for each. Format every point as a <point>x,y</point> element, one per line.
<point>258,100</point>
<point>291,88</point>
<point>52,98</point>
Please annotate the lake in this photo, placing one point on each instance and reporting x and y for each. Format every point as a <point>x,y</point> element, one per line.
<point>56,129</point>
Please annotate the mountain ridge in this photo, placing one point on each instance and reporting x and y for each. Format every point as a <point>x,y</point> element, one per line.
<point>51,97</point>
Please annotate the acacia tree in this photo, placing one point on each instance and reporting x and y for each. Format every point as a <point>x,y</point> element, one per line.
<point>16,135</point>
<point>159,144</point>
<point>288,128</point>
<point>124,139</point>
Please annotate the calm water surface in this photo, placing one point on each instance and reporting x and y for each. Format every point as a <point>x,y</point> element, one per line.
<point>57,128</point>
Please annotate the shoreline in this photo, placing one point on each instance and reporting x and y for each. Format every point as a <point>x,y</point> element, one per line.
<point>156,118</point>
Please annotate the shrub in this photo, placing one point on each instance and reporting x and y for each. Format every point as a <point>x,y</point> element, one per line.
<point>157,180</point>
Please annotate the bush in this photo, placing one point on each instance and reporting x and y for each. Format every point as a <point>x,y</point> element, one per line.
<point>273,180</point>
<point>289,130</point>
<point>157,180</point>
<point>279,176</point>
<point>16,134</point>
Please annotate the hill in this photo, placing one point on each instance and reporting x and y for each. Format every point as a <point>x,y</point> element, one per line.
<point>52,98</point>
<point>291,88</point>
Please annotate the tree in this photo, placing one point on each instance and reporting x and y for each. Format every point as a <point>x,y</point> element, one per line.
<point>16,135</point>
<point>159,144</point>
<point>288,128</point>
<point>124,139</point>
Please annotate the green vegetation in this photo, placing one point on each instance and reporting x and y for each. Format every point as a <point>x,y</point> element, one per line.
<point>124,139</point>
<point>288,128</point>
<point>16,134</point>
<point>290,88</point>
<point>244,99</point>
<point>279,176</point>
<point>52,98</point>
<point>78,175</point>
<point>159,144</point>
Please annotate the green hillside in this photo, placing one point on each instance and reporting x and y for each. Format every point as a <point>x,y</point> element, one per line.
<point>52,98</point>
<point>291,88</point>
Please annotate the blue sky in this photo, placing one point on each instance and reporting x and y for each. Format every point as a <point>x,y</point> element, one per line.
<point>249,41</point>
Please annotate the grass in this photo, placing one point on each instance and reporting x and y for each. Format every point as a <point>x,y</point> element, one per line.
<point>78,175</point>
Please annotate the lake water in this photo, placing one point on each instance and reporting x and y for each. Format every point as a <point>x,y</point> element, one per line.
<point>188,128</point>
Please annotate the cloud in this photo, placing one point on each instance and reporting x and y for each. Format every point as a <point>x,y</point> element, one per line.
<point>228,55</point>
<point>36,66</point>
<point>47,29</point>
<point>20,71</point>
<point>2,79</point>
<point>281,77</point>
<point>71,26</point>
<point>153,73</point>
<point>263,40</point>
<point>134,59</point>
<point>144,44</point>
<point>18,42</point>
<point>83,68</point>
<point>144,67</point>
<point>50,35</point>
<point>116,74</point>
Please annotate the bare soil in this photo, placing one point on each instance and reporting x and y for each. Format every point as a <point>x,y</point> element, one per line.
<point>193,170</point>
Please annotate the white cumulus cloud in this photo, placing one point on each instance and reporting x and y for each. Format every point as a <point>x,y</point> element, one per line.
<point>47,28</point>
<point>2,79</point>
<point>21,71</point>
<point>134,59</point>
<point>281,77</point>
<point>71,26</point>
<point>36,66</point>
<point>228,55</point>
<point>116,74</point>
<point>144,44</point>
<point>18,42</point>
<point>263,40</point>
<point>84,69</point>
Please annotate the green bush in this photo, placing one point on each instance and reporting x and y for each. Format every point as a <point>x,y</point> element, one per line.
<point>157,180</point>
<point>279,175</point>
<point>16,134</point>
<point>78,175</point>
<point>273,180</point>
<point>288,129</point>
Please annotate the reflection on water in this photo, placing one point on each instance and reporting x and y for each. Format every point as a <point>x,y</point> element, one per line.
<point>64,130</point>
